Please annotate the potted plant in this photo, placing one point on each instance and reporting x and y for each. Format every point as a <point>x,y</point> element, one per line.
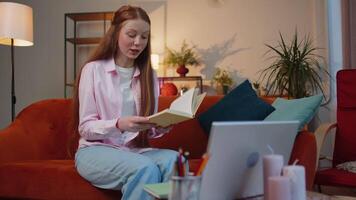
<point>185,56</point>
<point>223,78</point>
<point>296,70</point>
<point>256,86</point>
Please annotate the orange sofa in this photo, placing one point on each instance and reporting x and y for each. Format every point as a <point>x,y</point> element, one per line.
<point>34,162</point>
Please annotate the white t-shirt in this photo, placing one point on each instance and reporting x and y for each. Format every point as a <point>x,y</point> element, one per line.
<point>128,102</point>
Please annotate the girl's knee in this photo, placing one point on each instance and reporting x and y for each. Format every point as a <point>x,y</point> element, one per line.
<point>168,158</point>
<point>169,154</point>
<point>147,166</point>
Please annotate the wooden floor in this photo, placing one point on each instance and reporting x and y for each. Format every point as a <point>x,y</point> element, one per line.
<point>338,191</point>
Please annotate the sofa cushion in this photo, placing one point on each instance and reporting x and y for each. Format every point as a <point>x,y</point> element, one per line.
<point>302,110</point>
<point>241,104</point>
<point>44,179</point>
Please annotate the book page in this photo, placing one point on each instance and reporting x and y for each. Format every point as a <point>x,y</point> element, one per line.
<point>184,102</point>
<point>197,101</point>
<point>181,109</point>
<point>194,100</point>
<point>168,117</point>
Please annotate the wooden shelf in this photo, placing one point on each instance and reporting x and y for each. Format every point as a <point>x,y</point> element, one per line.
<point>198,79</point>
<point>80,41</point>
<point>71,22</point>
<point>178,78</point>
<point>95,16</point>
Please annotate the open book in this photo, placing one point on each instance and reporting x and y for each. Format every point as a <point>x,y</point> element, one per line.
<point>158,190</point>
<point>181,109</point>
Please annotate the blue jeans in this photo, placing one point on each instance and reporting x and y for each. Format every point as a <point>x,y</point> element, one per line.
<point>110,168</point>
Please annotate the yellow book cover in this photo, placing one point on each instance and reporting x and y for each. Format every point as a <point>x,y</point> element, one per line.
<point>181,109</point>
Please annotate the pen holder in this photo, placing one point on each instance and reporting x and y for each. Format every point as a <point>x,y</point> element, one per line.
<point>185,188</point>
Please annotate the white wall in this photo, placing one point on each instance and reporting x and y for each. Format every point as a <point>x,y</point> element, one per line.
<point>40,69</point>
<point>230,35</point>
<point>233,35</point>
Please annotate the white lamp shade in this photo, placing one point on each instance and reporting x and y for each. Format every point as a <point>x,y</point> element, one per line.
<point>16,22</point>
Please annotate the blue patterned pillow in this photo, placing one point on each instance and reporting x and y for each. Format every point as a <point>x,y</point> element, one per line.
<point>241,104</point>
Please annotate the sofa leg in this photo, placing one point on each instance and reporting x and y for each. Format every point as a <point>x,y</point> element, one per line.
<point>319,188</point>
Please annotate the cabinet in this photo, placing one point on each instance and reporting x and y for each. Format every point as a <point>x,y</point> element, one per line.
<point>197,79</point>
<point>81,30</point>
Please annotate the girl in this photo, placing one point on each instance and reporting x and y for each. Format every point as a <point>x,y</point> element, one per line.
<point>116,90</point>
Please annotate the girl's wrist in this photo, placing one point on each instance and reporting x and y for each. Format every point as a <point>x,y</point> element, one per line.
<point>118,125</point>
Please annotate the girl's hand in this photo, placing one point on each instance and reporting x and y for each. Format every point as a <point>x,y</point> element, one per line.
<point>134,124</point>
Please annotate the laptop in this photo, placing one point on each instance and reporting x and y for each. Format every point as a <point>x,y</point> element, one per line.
<point>234,170</point>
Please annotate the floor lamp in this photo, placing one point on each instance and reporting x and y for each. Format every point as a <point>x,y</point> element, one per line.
<point>16,29</point>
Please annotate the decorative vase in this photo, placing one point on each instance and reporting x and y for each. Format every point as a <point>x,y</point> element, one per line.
<point>182,70</point>
<point>169,89</point>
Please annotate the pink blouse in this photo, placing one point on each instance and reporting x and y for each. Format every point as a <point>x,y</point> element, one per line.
<point>101,102</point>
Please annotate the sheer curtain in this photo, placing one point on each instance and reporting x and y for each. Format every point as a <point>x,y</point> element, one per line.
<point>349,33</point>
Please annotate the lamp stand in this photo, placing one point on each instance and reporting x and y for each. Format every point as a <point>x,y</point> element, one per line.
<point>13,97</point>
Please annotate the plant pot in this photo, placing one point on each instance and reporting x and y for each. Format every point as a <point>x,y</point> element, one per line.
<point>182,70</point>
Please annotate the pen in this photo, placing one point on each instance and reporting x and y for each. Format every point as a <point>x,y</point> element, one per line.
<point>186,163</point>
<point>202,165</point>
<point>177,166</point>
<point>180,164</point>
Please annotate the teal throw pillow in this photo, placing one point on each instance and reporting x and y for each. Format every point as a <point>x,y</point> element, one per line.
<point>241,104</point>
<point>302,109</point>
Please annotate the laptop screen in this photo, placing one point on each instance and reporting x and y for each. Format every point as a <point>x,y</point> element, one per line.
<point>236,149</point>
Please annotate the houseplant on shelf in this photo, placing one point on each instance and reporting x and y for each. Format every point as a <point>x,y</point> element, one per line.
<point>185,56</point>
<point>296,70</point>
<point>256,86</point>
<point>223,78</point>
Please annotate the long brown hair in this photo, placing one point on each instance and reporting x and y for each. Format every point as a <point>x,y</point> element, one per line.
<point>108,48</point>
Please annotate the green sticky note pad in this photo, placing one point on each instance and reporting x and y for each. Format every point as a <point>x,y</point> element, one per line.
<point>158,190</point>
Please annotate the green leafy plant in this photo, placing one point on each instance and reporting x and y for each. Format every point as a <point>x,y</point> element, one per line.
<point>185,56</point>
<point>222,77</point>
<point>296,70</point>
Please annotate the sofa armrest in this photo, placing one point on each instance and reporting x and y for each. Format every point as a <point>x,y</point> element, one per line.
<point>16,144</point>
<point>305,149</point>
